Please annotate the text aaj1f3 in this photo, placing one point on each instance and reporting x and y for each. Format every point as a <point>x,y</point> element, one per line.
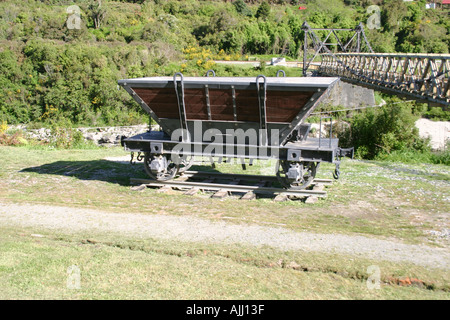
<point>236,310</point>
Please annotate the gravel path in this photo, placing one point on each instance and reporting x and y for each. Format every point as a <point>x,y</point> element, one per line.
<point>192,229</point>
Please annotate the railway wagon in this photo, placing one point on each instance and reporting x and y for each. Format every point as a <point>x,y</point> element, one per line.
<point>243,118</point>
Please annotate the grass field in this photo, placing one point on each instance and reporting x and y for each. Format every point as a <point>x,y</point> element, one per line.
<point>36,266</point>
<point>408,203</point>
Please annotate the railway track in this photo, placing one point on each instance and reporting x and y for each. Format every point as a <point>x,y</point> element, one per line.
<point>247,187</point>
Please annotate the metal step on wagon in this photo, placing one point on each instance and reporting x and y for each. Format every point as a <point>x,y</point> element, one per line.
<point>244,118</point>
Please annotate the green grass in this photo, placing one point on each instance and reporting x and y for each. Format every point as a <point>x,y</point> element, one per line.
<point>372,198</point>
<point>36,266</point>
<point>435,157</point>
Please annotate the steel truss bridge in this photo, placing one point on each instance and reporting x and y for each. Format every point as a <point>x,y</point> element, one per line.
<point>422,77</point>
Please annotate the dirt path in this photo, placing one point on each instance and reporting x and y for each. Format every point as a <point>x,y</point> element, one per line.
<point>66,219</point>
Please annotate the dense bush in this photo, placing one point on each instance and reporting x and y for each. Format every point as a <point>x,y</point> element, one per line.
<point>377,131</point>
<point>74,82</point>
<point>65,137</point>
<point>14,139</point>
<point>50,73</point>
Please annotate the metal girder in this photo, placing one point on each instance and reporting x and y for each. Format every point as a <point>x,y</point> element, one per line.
<point>322,46</point>
<point>179,90</point>
<point>261,89</point>
<point>420,76</point>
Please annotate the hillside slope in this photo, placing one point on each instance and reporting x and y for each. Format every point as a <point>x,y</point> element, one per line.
<point>51,71</point>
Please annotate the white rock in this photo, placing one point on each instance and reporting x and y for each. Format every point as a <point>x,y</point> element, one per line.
<point>437,131</point>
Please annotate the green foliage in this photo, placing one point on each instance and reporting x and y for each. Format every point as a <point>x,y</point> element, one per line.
<point>242,8</point>
<point>65,136</point>
<point>413,156</point>
<point>49,73</point>
<point>393,14</point>
<point>442,157</point>
<point>437,113</point>
<point>263,11</point>
<point>97,12</point>
<point>73,82</point>
<point>384,130</point>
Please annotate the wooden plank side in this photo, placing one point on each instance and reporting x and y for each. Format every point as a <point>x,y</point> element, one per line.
<point>195,101</point>
<point>221,103</point>
<point>163,101</point>
<point>247,105</point>
<point>283,106</point>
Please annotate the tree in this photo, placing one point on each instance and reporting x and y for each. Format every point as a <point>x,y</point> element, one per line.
<point>97,13</point>
<point>263,11</point>
<point>392,15</point>
<point>241,7</point>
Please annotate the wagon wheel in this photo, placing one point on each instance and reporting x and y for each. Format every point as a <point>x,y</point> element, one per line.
<point>168,168</point>
<point>186,163</point>
<point>309,170</point>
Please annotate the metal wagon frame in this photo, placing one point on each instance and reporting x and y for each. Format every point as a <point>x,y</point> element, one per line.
<point>197,114</point>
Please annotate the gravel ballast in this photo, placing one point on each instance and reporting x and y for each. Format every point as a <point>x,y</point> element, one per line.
<point>190,229</point>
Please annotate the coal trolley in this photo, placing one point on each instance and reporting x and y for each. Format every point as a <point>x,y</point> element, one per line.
<point>243,118</point>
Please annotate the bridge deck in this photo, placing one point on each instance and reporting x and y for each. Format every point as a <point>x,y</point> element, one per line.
<point>418,76</point>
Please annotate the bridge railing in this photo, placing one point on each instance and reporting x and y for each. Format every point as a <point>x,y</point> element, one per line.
<point>422,76</point>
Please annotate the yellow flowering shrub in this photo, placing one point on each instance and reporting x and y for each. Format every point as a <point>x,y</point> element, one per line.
<point>3,127</point>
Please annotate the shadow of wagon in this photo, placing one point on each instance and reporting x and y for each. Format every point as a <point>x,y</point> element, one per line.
<point>118,172</point>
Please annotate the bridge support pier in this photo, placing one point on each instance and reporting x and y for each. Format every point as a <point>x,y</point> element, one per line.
<point>350,96</point>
